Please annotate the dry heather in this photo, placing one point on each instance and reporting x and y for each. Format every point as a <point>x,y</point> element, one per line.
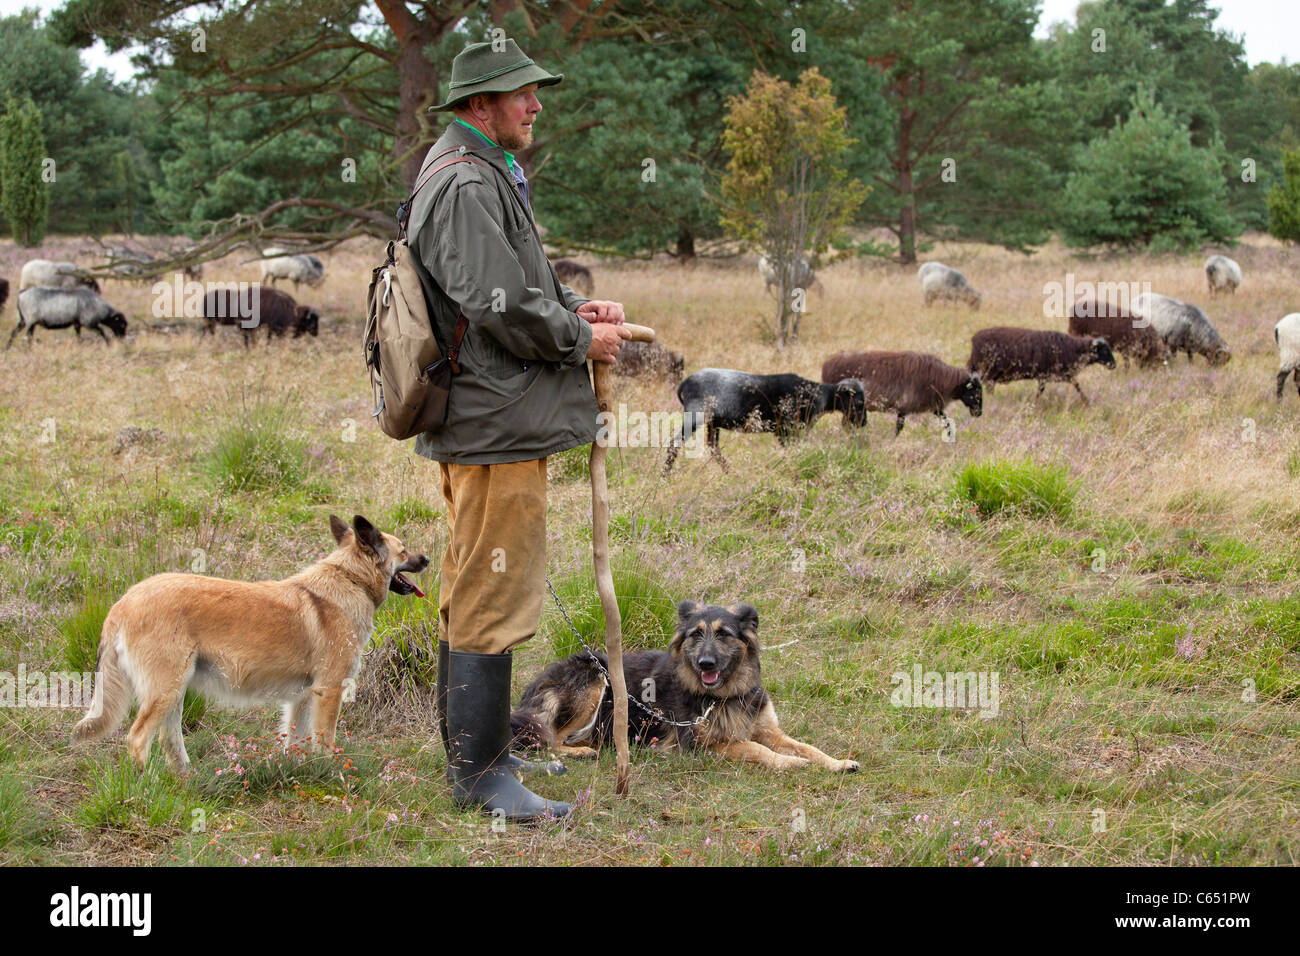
<point>1126,569</point>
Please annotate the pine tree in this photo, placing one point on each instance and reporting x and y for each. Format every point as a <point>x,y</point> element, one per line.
<point>26,197</point>
<point>1144,184</point>
<point>1284,200</point>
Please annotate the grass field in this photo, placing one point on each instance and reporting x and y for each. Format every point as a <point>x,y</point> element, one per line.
<point>1127,570</point>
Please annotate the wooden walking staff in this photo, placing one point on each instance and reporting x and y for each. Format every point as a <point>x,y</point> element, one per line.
<point>600,372</point>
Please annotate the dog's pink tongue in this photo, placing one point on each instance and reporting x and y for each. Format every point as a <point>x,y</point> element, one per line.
<point>709,677</point>
<point>410,584</point>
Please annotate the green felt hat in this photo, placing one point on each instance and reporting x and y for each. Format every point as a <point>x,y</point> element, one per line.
<point>492,68</point>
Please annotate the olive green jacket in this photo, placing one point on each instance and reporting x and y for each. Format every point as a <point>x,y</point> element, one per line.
<point>524,391</point>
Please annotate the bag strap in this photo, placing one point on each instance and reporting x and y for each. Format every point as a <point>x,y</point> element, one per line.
<point>453,353</point>
<point>404,210</point>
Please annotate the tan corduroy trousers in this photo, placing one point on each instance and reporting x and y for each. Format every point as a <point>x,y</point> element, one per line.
<point>494,569</point>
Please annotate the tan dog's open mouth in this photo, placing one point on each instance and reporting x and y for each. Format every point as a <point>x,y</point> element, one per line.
<point>403,585</point>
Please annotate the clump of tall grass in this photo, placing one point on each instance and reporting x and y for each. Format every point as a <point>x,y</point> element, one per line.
<point>16,825</point>
<point>1021,485</point>
<point>395,687</point>
<point>123,797</point>
<point>647,609</point>
<point>258,452</point>
<point>80,632</point>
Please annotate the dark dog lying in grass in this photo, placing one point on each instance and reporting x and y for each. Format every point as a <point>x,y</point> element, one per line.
<point>709,674</point>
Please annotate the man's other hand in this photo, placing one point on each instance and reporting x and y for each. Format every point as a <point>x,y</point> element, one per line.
<point>600,310</point>
<point>606,340</point>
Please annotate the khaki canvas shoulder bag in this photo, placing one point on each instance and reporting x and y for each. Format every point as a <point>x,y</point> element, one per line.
<point>410,370</point>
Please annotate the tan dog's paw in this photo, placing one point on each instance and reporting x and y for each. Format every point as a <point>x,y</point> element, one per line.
<point>845,766</point>
<point>582,753</point>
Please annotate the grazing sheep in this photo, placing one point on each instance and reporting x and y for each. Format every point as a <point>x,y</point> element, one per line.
<point>1115,325</point>
<point>1183,327</point>
<point>57,308</point>
<point>53,275</point>
<point>1222,274</point>
<point>785,404</point>
<point>938,281</point>
<point>576,277</point>
<point>635,358</point>
<point>907,383</point>
<point>1287,336</point>
<point>273,310</point>
<point>1007,355</point>
<point>801,276</point>
<point>296,268</point>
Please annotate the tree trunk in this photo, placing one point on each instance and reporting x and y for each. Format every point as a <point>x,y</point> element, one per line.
<point>417,83</point>
<point>685,244</point>
<point>907,214</point>
<point>417,87</point>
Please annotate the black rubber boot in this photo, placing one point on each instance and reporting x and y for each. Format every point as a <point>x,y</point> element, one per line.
<point>552,768</point>
<point>478,731</point>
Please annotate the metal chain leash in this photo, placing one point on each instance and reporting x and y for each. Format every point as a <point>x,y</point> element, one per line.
<point>657,715</point>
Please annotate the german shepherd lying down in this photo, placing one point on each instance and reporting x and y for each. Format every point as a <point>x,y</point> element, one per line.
<point>711,662</point>
<point>295,641</point>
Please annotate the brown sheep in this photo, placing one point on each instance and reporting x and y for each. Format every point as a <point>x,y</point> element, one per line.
<point>907,383</point>
<point>1005,354</point>
<point>575,276</point>
<point>636,358</point>
<point>1115,325</point>
<point>258,307</point>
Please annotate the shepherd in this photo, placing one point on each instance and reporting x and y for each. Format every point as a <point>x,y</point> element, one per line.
<point>523,394</point>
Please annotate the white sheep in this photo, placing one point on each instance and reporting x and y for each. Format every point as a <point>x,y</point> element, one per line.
<point>798,276</point>
<point>939,281</point>
<point>1222,274</point>
<point>296,268</point>
<point>56,275</point>
<point>1184,327</point>
<point>1287,336</point>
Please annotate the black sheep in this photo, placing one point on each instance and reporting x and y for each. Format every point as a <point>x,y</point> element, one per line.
<point>785,404</point>
<point>1008,355</point>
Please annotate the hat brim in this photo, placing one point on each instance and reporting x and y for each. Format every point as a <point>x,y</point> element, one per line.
<point>505,83</point>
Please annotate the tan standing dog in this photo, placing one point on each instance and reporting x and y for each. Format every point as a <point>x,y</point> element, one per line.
<point>244,643</point>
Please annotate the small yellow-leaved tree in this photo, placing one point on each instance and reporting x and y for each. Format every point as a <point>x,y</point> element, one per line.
<point>786,188</point>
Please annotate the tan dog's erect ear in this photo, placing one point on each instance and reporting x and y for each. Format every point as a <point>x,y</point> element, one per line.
<point>686,609</point>
<point>370,537</point>
<point>339,528</point>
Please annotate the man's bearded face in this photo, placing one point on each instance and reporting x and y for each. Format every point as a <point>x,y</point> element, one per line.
<point>512,115</point>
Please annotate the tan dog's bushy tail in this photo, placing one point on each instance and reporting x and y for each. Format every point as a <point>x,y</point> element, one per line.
<point>112,694</point>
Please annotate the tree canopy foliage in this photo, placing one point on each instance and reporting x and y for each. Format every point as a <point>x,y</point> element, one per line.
<point>268,120</point>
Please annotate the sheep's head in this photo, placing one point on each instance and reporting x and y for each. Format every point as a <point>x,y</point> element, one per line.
<point>851,400</point>
<point>306,320</point>
<point>116,321</point>
<point>1219,356</point>
<point>1101,352</point>
<point>972,395</point>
